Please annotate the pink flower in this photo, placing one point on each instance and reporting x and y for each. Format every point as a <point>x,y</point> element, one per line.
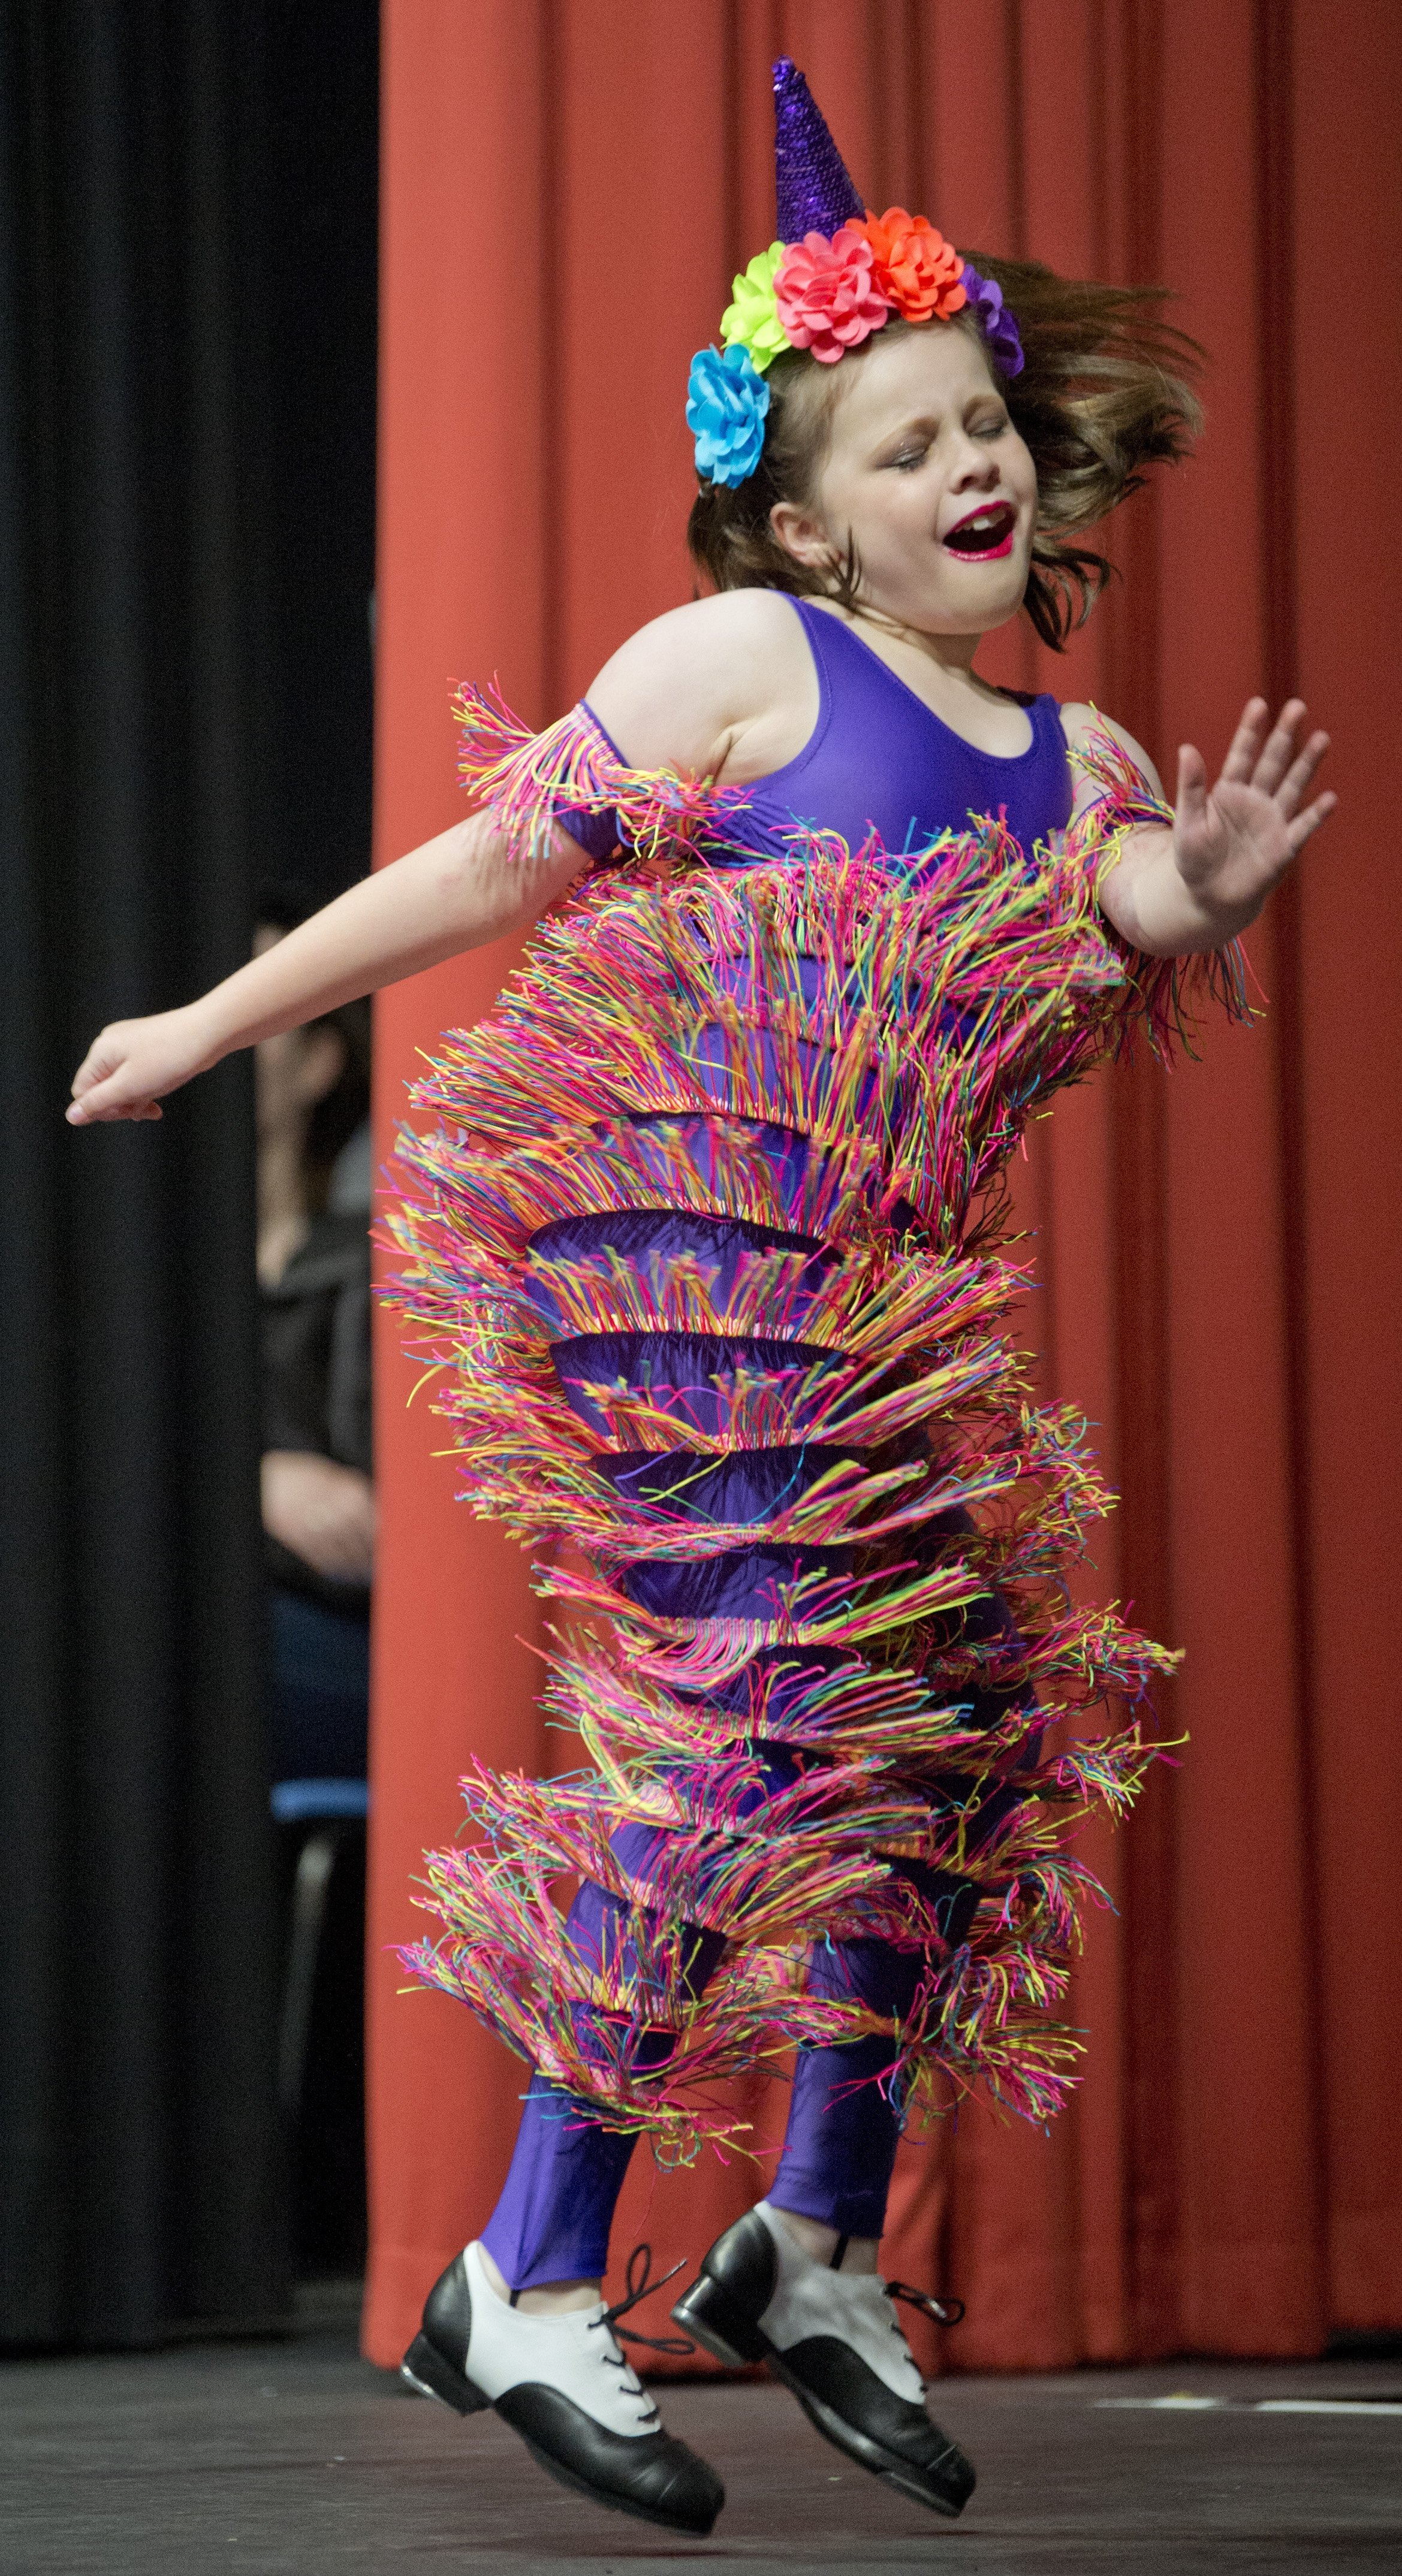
<point>827,296</point>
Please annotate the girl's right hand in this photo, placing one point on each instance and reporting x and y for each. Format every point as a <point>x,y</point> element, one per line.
<point>133,1063</point>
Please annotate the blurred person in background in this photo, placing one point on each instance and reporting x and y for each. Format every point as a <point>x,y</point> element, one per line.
<point>318,1495</point>
<point>312,1092</point>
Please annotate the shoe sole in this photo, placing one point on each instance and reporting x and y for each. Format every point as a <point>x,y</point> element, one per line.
<point>614,2503</point>
<point>425,2371</point>
<point>729,2336</point>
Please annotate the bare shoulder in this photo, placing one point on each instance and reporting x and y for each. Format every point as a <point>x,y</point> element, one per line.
<point>1078,720</point>
<point>675,694</point>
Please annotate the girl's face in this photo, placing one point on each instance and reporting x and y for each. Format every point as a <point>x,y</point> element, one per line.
<point>927,476</point>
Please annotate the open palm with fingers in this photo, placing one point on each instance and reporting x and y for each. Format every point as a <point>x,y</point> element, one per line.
<point>1234,841</point>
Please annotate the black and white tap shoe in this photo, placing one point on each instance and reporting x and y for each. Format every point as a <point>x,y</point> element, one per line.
<point>562,2383</point>
<point>834,2338</point>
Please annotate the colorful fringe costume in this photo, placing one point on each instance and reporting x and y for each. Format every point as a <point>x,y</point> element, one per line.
<point>704,1244</point>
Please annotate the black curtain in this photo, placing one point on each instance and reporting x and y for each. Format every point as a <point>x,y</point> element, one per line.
<point>320,220</point>
<point>140,2182</point>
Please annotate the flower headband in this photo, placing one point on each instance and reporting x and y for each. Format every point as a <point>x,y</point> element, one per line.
<point>837,276</point>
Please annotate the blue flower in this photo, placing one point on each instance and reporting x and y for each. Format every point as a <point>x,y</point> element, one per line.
<point>999,328</point>
<point>727,401</point>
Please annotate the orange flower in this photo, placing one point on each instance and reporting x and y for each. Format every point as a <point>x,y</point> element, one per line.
<point>912,264</point>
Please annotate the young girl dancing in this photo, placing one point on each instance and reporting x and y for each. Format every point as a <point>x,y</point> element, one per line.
<point>706,1239</point>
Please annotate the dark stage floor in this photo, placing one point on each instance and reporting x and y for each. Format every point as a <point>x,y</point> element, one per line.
<point>298,2458</point>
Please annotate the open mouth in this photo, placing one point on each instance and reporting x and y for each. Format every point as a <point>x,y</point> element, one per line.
<point>986,532</point>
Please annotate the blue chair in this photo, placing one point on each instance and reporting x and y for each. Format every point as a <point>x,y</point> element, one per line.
<point>296,1802</point>
<point>331,1809</point>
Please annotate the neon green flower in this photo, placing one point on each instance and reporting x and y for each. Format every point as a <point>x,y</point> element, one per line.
<point>753,318</point>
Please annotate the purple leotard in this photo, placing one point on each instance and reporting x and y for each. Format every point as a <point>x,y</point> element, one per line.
<point>879,759</point>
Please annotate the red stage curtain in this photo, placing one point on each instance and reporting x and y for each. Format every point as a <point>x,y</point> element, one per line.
<point>567,188</point>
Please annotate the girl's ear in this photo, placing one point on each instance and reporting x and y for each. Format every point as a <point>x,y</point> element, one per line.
<point>802,534</point>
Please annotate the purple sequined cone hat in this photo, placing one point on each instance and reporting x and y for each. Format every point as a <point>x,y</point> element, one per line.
<point>811,181</point>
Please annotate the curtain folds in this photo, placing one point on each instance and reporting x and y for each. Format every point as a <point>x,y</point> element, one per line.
<point>567,188</point>
<point>138,2143</point>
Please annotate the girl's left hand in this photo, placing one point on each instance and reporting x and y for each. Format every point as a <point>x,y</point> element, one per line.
<point>1233,842</point>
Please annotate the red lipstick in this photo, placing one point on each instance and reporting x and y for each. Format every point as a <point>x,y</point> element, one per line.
<point>983,534</point>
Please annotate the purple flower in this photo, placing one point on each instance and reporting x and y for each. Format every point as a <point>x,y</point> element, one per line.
<point>999,328</point>
<point>727,401</point>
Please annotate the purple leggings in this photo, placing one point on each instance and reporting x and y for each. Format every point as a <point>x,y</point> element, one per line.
<point>552,2221</point>
<point>553,2218</point>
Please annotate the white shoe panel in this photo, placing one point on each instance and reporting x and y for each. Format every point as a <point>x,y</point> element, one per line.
<point>810,2299</point>
<point>576,2353</point>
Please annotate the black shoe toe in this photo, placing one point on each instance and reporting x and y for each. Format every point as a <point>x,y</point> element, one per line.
<point>646,2474</point>
<point>889,2435</point>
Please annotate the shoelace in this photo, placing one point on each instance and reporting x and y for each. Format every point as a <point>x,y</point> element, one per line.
<point>945,2312</point>
<point>630,2384</point>
<point>641,2286</point>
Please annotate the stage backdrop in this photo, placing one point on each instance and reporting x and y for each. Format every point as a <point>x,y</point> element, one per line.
<point>567,189</point>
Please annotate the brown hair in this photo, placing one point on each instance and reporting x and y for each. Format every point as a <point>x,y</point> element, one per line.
<point>1103,394</point>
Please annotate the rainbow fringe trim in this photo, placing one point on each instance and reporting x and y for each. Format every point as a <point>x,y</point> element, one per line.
<point>818,1066</point>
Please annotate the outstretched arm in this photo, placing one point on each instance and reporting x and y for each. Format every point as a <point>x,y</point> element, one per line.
<point>689,693</point>
<point>456,892</point>
<point>1183,888</point>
